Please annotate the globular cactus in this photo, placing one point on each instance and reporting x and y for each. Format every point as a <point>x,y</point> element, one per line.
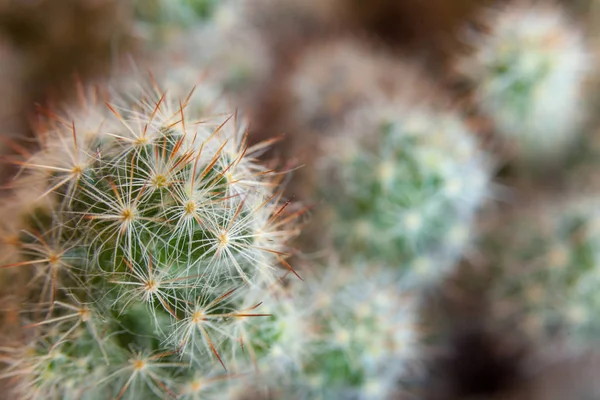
<point>402,185</point>
<point>547,270</point>
<point>149,225</point>
<point>528,71</point>
<point>157,19</point>
<point>346,332</point>
<point>334,78</point>
<point>223,51</point>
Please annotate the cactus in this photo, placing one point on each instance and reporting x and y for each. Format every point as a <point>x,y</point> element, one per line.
<point>224,52</point>
<point>346,332</point>
<point>528,72</point>
<point>402,187</point>
<point>144,247</point>
<point>158,17</point>
<point>335,78</point>
<point>157,223</point>
<point>547,267</point>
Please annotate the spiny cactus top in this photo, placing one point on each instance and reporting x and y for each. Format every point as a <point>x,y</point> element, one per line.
<point>153,224</point>
<point>548,268</point>
<point>403,184</point>
<point>345,332</point>
<point>529,70</point>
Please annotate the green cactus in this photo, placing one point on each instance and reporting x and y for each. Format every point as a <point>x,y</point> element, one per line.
<point>161,14</point>
<point>346,332</point>
<point>529,71</point>
<point>402,186</point>
<point>148,227</point>
<point>547,268</point>
<point>224,52</point>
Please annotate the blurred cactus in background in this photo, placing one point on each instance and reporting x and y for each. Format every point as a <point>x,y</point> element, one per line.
<point>528,70</point>
<point>403,183</point>
<point>346,332</point>
<point>331,80</point>
<point>173,14</point>
<point>148,236</point>
<point>215,45</point>
<point>548,266</point>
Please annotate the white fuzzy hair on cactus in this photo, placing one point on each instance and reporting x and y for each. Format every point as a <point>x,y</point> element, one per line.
<point>529,69</point>
<point>346,332</point>
<point>403,183</point>
<point>149,226</point>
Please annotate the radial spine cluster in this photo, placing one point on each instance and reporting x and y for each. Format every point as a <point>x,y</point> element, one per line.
<point>140,228</point>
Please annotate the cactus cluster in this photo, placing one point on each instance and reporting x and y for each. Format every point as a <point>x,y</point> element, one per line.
<point>145,244</point>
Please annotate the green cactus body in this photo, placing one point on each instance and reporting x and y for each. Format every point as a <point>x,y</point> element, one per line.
<point>224,53</point>
<point>403,185</point>
<point>547,271</point>
<point>529,70</point>
<point>346,333</point>
<point>158,17</point>
<point>156,224</point>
